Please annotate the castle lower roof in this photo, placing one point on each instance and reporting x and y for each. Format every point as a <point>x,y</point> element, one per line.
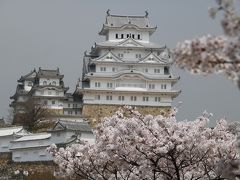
<point>119,44</point>
<point>31,137</point>
<point>10,130</point>
<point>19,92</point>
<point>131,90</point>
<point>133,73</point>
<point>81,126</point>
<point>30,76</point>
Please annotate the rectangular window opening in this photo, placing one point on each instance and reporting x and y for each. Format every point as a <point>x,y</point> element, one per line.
<point>145,98</point>
<point>121,98</point>
<point>139,37</point>
<point>163,86</point>
<point>109,85</point>
<point>133,98</point>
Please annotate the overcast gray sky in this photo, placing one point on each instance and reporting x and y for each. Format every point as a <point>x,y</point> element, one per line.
<point>55,33</point>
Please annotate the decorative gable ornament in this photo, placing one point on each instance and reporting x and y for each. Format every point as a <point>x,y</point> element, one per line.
<point>165,54</point>
<point>108,57</point>
<point>152,58</point>
<point>130,43</point>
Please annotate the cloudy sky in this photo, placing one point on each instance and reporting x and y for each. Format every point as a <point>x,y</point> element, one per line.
<point>55,33</point>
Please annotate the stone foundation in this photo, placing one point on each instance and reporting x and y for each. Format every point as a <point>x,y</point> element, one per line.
<point>55,111</point>
<point>96,112</point>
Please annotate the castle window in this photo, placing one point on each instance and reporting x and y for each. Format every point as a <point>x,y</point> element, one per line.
<point>133,98</point>
<point>69,105</point>
<point>120,55</point>
<point>166,70</point>
<point>163,86</point>
<point>49,92</point>
<point>139,37</point>
<point>103,69</point>
<point>44,82</point>
<point>151,86</point>
<point>53,102</point>
<point>121,98</point>
<point>116,36</point>
<point>138,55</point>
<point>146,70</point>
<point>133,36</point>
<point>151,58</point>
<point>97,84</point>
<point>145,98</point>
<point>57,93</point>
<point>128,35</point>
<point>122,36</point>
<point>113,69</point>
<point>156,71</point>
<point>109,85</point>
<point>69,112</point>
<point>109,98</point>
<point>54,83</point>
<point>157,99</point>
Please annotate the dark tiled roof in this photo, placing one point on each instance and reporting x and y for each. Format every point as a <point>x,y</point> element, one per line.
<point>19,91</point>
<point>49,73</point>
<point>30,76</point>
<point>119,21</point>
<point>81,126</point>
<point>116,21</point>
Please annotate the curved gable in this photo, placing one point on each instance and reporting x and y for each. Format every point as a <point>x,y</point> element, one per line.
<point>108,57</point>
<point>152,58</point>
<point>130,42</point>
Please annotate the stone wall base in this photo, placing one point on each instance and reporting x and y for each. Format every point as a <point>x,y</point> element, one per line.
<point>55,111</point>
<point>95,112</point>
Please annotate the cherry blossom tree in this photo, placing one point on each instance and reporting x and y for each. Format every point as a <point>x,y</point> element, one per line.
<point>134,146</point>
<point>214,54</point>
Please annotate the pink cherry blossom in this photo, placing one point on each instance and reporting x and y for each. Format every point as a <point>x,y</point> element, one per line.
<point>133,146</point>
<point>214,54</point>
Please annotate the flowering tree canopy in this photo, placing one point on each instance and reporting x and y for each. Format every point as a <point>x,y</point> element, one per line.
<point>214,54</point>
<point>133,146</point>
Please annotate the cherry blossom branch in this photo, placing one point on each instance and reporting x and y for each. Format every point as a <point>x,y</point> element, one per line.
<point>214,54</point>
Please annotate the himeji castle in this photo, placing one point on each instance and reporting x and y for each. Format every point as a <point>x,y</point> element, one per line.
<point>126,68</point>
<point>47,88</point>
